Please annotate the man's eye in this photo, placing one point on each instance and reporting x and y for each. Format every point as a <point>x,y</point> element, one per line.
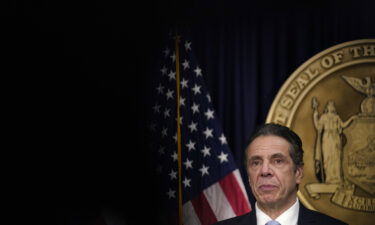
<point>279,161</point>
<point>254,163</point>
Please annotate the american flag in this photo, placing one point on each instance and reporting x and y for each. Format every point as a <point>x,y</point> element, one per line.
<point>212,188</point>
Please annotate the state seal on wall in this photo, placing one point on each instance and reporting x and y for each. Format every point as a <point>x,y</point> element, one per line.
<point>329,101</point>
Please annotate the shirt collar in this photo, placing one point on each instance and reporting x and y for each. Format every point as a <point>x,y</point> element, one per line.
<point>290,216</point>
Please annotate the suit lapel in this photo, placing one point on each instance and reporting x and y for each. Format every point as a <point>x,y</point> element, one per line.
<point>253,217</point>
<point>250,219</point>
<point>305,216</point>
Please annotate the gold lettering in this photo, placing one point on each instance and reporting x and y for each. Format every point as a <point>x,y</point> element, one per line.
<point>286,102</point>
<point>364,50</point>
<point>369,50</point>
<point>311,74</point>
<point>338,56</point>
<point>301,81</point>
<point>350,202</point>
<point>355,51</point>
<point>371,204</point>
<point>354,202</point>
<point>368,203</point>
<point>293,91</point>
<point>330,60</point>
<point>339,197</point>
<point>347,201</point>
<point>327,62</point>
<point>281,116</point>
<point>358,202</point>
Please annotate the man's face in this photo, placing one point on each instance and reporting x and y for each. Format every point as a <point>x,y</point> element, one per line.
<point>272,174</point>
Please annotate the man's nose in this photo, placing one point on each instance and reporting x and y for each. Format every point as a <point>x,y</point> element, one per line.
<point>266,170</point>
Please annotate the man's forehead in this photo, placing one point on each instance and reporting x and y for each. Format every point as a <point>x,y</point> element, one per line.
<point>268,145</point>
<point>269,140</point>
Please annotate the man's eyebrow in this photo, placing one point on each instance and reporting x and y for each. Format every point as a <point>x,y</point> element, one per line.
<point>255,157</point>
<point>278,155</point>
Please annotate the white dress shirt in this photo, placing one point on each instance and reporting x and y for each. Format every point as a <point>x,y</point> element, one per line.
<point>289,217</point>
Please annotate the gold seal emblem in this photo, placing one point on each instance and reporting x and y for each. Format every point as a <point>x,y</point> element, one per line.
<point>330,102</point>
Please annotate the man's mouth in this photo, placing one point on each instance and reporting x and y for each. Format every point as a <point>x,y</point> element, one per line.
<point>267,187</point>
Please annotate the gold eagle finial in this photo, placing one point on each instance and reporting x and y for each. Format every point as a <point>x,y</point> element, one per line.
<point>364,86</point>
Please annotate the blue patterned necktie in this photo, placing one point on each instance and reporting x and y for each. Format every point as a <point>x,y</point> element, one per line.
<point>273,222</point>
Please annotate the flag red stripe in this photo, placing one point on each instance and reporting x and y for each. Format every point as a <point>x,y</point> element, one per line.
<point>203,210</point>
<point>234,194</point>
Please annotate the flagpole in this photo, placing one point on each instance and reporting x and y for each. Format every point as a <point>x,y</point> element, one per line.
<point>179,131</point>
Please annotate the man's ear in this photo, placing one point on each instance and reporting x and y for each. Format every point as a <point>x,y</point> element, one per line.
<point>299,174</point>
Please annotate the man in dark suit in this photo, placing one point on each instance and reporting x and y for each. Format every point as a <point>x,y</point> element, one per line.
<point>274,163</point>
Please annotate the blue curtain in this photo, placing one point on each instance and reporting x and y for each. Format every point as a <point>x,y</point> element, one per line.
<point>248,58</point>
<point>248,53</point>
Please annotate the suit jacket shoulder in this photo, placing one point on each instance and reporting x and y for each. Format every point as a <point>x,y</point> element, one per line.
<point>307,216</point>
<point>246,219</point>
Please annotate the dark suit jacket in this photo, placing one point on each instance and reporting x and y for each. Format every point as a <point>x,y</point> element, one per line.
<point>305,217</point>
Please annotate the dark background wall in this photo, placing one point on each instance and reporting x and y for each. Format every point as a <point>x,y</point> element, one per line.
<point>80,74</point>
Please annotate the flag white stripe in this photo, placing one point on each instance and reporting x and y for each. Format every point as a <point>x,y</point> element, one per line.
<point>242,186</point>
<point>189,216</point>
<point>218,201</point>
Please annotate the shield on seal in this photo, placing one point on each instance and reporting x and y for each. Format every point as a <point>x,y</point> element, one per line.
<point>359,153</point>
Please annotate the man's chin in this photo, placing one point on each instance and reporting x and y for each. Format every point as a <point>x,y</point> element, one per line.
<point>268,199</point>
